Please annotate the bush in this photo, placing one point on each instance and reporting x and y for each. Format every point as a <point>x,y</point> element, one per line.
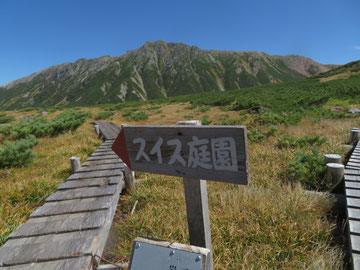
<point>153,108</point>
<point>137,116</point>
<point>104,115</point>
<point>309,169</point>
<point>40,127</point>
<point>203,109</point>
<point>18,153</point>
<point>205,121</point>
<point>257,136</point>
<point>292,142</point>
<point>285,118</point>
<point>6,118</point>
<point>232,121</point>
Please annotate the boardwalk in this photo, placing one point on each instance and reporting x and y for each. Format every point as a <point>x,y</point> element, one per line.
<point>73,224</point>
<point>352,192</point>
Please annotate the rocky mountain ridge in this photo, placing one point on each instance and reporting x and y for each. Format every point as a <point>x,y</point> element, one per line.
<point>155,70</point>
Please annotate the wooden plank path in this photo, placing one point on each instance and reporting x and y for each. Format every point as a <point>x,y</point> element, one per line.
<point>108,130</point>
<point>73,224</point>
<point>352,193</point>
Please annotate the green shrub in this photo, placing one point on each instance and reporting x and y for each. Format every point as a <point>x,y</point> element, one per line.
<point>232,121</point>
<point>17,153</point>
<point>188,116</point>
<point>292,142</point>
<point>153,108</point>
<point>320,112</point>
<point>104,115</point>
<point>6,118</point>
<point>40,127</point>
<point>309,169</point>
<point>137,116</point>
<point>285,118</point>
<point>256,136</point>
<point>203,109</point>
<point>205,121</point>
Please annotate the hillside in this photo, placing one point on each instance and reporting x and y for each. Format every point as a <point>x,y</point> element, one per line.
<point>341,72</point>
<point>155,70</point>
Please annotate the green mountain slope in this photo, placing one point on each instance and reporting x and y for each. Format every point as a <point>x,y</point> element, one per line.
<point>155,70</point>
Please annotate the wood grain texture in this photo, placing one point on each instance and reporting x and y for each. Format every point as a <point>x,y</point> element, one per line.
<point>102,161</point>
<point>349,184</point>
<point>187,134</point>
<point>101,167</point>
<point>73,223</point>
<point>49,247</point>
<point>80,193</point>
<point>95,174</point>
<point>114,156</point>
<point>72,206</point>
<point>352,193</point>
<point>355,242</point>
<point>60,224</point>
<point>353,213</point>
<point>78,263</point>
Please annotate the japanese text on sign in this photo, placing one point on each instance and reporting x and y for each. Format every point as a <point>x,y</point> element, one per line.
<point>217,154</point>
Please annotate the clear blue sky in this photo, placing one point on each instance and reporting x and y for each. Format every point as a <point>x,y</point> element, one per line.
<point>39,33</point>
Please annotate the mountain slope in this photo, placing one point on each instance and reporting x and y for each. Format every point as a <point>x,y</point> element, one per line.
<point>155,70</point>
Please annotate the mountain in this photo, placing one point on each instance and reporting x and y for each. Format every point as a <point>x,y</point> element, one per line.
<point>155,70</point>
<point>341,72</point>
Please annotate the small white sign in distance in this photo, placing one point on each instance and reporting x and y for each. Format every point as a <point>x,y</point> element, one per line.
<point>217,153</point>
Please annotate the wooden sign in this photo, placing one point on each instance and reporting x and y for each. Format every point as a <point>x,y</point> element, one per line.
<point>217,153</point>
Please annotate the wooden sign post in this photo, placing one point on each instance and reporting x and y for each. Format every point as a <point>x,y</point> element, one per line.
<point>197,208</point>
<point>191,151</point>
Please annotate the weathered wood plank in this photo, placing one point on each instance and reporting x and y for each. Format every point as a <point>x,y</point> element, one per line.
<point>102,161</point>
<point>102,157</point>
<point>356,261</point>
<point>351,167</point>
<point>354,226</point>
<point>354,164</point>
<point>93,182</point>
<point>353,202</point>
<point>102,153</point>
<point>80,193</point>
<point>49,247</point>
<point>353,213</point>
<point>60,224</point>
<point>349,184</point>
<point>175,150</point>
<point>102,167</point>
<point>355,242</point>
<point>352,172</point>
<point>96,174</point>
<point>81,263</point>
<point>348,177</point>
<point>108,130</point>
<point>352,192</point>
<point>73,206</point>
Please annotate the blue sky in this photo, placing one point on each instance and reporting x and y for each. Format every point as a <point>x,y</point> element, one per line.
<point>39,33</point>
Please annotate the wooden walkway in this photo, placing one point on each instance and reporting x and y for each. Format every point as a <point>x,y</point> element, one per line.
<point>74,222</point>
<point>108,130</point>
<point>352,193</point>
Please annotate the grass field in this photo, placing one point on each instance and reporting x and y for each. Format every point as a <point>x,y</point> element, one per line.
<point>270,224</point>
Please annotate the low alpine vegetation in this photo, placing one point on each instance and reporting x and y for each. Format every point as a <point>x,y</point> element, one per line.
<point>17,153</point>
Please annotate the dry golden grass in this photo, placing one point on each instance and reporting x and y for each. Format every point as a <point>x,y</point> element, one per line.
<point>24,189</point>
<point>269,224</point>
<point>345,75</point>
